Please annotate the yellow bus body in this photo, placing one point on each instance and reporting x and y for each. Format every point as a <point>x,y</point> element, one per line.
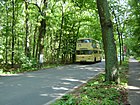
<point>87,51</point>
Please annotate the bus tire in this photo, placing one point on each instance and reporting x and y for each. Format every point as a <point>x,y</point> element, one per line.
<point>94,60</point>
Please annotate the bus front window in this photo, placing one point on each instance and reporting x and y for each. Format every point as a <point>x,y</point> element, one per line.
<point>85,41</point>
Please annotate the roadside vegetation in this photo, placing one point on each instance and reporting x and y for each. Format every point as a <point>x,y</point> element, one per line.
<point>28,67</point>
<point>138,58</point>
<point>98,92</point>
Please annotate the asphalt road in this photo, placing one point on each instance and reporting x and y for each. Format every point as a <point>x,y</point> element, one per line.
<point>45,86</point>
<point>134,82</point>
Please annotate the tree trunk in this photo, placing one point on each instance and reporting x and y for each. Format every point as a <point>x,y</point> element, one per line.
<point>111,63</point>
<point>13,34</point>
<point>61,33</point>
<point>34,41</point>
<point>119,36</point>
<point>122,47</point>
<point>75,41</point>
<point>42,29</point>
<point>35,46</point>
<point>27,50</point>
<point>6,45</point>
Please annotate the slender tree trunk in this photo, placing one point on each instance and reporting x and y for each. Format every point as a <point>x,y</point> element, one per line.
<point>75,41</point>
<point>6,46</point>
<point>34,42</point>
<point>27,52</point>
<point>122,47</point>
<point>111,63</point>
<point>72,43</point>
<point>119,36</point>
<point>51,46</point>
<point>18,39</point>
<point>13,34</point>
<point>122,42</point>
<point>61,33</point>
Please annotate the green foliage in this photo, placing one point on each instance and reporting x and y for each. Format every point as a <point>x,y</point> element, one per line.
<point>80,19</point>
<point>133,27</point>
<point>28,63</point>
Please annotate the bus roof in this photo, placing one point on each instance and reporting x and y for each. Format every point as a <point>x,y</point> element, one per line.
<point>84,38</point>
<point>88,38</point>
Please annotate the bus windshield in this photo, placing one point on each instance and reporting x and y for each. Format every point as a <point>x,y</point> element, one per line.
<point>85,41</point>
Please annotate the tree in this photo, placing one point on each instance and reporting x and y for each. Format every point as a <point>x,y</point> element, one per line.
<point>27,53</point>
<point>134,27</point>
<point>120,15</point>
<point>111,63</point>
<point>13,32</point>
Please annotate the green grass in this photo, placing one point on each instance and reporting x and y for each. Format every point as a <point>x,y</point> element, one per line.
<point>98,92</point>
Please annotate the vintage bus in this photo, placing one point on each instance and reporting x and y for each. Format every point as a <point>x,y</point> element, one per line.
<point>88,50</point>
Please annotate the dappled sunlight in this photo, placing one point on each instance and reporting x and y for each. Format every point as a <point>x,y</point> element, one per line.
<point>90,67</point>
<point>133,87</point>
<point>133,60</point>
<point>53,95</point>
<point>73,80</point>
<point>31,76</point>
<point>57,94</point>
<point>138,79</point>
<point>10,75</point>
<point>44,95</point>
<point>65,83</point>
<point>138,92</point>
<point>96,70</point>
<point>60,88</point>
<point>70,79</point>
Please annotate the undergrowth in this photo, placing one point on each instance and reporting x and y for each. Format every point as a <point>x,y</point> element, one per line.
<point>25,68</point>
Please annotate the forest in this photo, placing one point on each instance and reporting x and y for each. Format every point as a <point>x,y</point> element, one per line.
<point>52,27</point>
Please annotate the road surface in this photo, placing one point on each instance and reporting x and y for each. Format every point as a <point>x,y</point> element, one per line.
<point>134,82</point>
<point>45,86</point>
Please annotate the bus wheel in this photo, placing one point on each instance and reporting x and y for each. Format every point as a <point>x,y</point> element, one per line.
<point>94,59</point>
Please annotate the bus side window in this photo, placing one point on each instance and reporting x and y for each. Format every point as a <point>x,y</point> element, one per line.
<point>95,51</point>
<point>94,45</point>
<point>77,52</point>
<point>90,52</point>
